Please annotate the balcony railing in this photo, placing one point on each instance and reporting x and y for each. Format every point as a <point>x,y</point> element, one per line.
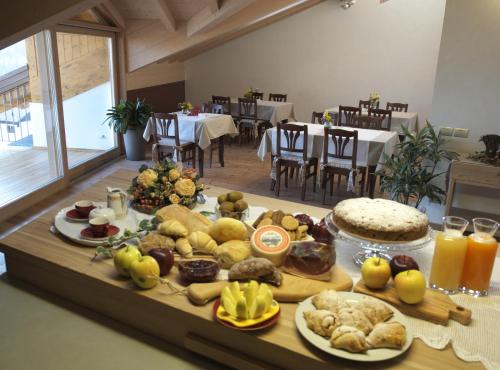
<point>15,96</point>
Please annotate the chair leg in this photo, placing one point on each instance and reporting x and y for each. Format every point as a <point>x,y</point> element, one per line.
<point>210,156</point>
<point>292,170</point>
<point>332,180</point>
<point>278,179</point>
<point>323,186</point>
<point>286,177</point>
<point>315,177</point>
<point>338,181</point>
<point>304,183</point>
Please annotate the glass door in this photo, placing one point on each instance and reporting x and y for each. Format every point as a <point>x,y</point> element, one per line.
<point>87,89</point>
<point>30,150</point>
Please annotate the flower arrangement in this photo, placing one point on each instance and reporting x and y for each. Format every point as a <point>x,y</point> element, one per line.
<point>163,184</point>
<point>185,106</point>
<point>374,98</point>
<point>249,93</point>
<point>327,118</point>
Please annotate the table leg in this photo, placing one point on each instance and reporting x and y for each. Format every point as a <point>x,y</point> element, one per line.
<point>371,180</point>
<point>201,159</point>
<point>221,151</point>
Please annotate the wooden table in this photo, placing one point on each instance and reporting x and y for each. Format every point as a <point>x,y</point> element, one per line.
<point>46,260</point>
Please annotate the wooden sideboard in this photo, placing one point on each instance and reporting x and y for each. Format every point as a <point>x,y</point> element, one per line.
<point>476,174</point>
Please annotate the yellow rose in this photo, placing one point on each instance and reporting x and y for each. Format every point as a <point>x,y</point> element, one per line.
<point>185,187</point>
<point>174,199</point>
<point>173,174</point>
<point>147,178</point>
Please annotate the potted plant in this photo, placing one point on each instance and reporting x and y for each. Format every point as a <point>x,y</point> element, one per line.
<point>411,174</point>
<point>130,119</point>
<point>185,107</point>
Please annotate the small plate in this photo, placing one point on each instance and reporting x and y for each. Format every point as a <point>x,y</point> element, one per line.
<point>73,215</point>
<point>377,354</point>
<point>259,326</point>
<point>89,235</point>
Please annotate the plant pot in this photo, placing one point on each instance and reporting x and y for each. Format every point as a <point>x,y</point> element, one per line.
<point>135,146</point>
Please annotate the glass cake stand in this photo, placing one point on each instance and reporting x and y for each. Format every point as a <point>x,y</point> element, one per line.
<point>373,247</point>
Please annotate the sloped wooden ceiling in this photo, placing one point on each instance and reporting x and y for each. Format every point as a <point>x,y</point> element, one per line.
<point>158,30</point>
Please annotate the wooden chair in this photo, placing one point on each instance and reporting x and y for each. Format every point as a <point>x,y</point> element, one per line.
<point>225,101</point>
<point>366,104</point>
<point>289,156</point>
<point>384,114</point>
<point>277,97</point>
<point>248,123</point>
<point>367,122</point>
<point>258,95</point>
<point>348,113</point>
<point>169,144</point>
<point>397,107</point>
<point>342,163</point>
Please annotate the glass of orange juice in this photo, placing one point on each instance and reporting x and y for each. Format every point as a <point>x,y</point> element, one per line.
<point>449,255</point>
<point>480,258</point>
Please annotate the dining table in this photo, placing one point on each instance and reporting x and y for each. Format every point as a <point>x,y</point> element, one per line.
<point>43,258</point>
<point>372,146</point>
<point>269,111</point>
<point>200,129</point>
<point>408,119</point>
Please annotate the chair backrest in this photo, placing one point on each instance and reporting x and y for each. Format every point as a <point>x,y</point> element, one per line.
<point>277,97</point>
<point>346,115</point>
<point>340,139</point>
<point>369,122</point>
<point>217,109</point>
<point>225,101</point>
<point>317,117</point>
<point>397,107</point>
<point>247,108</point>
<point>292,134</point>
<point>162,123</point>
<point>384,114</point>
<point>366,104</point>
<point>258,95</point>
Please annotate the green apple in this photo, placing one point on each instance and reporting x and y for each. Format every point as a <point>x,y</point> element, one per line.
<point>410,286</point>
<point>376,272</point>
<point>124,257</point>
<point>145,272</point>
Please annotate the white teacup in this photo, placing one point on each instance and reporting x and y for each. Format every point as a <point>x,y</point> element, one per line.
<point>103,212</point>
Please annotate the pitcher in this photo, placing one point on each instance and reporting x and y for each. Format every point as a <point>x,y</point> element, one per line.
<point>117,201</point>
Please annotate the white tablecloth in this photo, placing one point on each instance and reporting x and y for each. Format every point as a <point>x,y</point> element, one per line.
<point>201,128</point>
<point>371,143</point>
<point>407,119</point>
<point>272,111</point>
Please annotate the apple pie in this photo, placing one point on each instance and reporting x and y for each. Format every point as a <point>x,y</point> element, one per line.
<point>349,338</point>
<point>322,322</point>
<point>380,219</point>
<point>374,310</point>
<point>329,300</point>
<point>388,335</point>
<point>355,318</point>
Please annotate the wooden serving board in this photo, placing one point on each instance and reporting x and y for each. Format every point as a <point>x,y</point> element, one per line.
<point>292,289</point>
<point>436,307</point>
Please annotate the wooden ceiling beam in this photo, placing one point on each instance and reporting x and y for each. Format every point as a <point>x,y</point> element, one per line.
<point>112,12</point>
<point>205,19</point>
<point>166,16</point>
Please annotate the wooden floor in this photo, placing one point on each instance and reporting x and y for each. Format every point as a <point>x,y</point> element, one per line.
<point>25,169</point>
<point>243,171</point>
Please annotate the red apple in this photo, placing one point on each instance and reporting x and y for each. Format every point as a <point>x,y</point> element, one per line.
<point>376,272</point>
<point>410,286</point>
<point>165,259</point>
<point>402,263</point>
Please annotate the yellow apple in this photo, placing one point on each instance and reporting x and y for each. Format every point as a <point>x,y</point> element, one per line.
<point>124,257</point>
<point>410,286</point>
<point>145,272</point>
<point>376,272</point>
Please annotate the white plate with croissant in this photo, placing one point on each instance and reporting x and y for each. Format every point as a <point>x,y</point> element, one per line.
<point>353,326</point>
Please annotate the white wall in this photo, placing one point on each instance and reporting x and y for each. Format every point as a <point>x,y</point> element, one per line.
<point>467,90</point>
<point>83,117</point>
<point>326,56</point>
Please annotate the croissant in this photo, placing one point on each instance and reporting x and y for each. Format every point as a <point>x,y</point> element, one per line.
<point>184,248</point>
<point>349,338</point>
<point>173,228</point>
<point>202,242</point>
